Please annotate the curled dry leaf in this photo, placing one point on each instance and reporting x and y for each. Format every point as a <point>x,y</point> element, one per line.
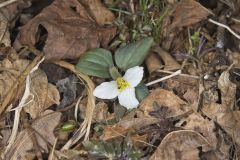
<point>181,145</point>
<point>176,106</point>
<point>44,94</point>
<point>73,26</point>
<point>153,63</point>
<point>183,14</point>
<point>42,127</point>
<point>201,125</point>
<point>169,62</point>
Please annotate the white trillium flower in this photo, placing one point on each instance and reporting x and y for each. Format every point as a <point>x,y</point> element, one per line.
<point>123,88</point>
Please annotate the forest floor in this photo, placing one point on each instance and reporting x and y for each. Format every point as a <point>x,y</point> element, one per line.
<point>120,79</point>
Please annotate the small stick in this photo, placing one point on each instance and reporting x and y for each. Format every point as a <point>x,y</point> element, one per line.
<point>225,26</point>
<point>178,72</point>
<point>182,74</point>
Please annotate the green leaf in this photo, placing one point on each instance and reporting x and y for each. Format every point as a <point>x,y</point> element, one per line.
<point>68,126</point>
<point>141,91</point>
<point>96,62</point>
<point>133,54</point>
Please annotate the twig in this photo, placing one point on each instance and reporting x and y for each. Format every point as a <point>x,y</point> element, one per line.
<point>3,4</point>
<point>226,27</point>
<point>178,72</point>
<point>182,74</point>
<point>236,20</point>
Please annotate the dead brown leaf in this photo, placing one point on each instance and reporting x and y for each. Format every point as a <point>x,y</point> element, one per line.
<point>169,62</point>
<point>201,125</point>
<point>127,126</point>
<point>235,58</point>
<point>4,33</point>
<point>176,106</point>
<point>223,113</point>
<point>153,63</point>
<point>138,140</point>
<point>228,90</point>
<point>73,26</point>
<point>111,132</point>
<point>181,145</point>
<point>10,72</point>
<point>44,94</point>
<point>137,123</point>
<point>44,127</point>
<point>101,112</point>
<point>183,14</point>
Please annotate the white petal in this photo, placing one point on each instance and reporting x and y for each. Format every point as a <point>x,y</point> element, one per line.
<point>106,90</point>
<point>134,76</point>
<point>127,98</point>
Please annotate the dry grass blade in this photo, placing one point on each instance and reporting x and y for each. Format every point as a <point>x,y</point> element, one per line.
<point>85,127</point>
<point>52,156</point>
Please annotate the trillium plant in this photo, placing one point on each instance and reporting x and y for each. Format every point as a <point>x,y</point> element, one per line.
<point>122,87</point>
<point>128,88</point>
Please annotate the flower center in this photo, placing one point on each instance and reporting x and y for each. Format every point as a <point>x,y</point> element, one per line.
<point>122,84</point>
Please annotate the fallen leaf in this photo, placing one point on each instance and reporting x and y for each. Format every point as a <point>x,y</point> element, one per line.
<point>72,28</point>
<point>201,125</point>
<point>99,13</point>
<point>68,88</point>
<point>228,90</point>
<point>176,106</point>
<point>127,126</point>
<point>101,112</point>
<point>44,126</point>
<point>13,10</point>
<point>223,114</point>
<point>111,132</point>
<point>44,94</point>
<point>234,58</point>
<point>137,123</point>
<point>183,14</point>
<point>9,75</point>
<point>169,62</point>
<point>139,141</point>
<point>181,145</point>
<point>153,63</point>
<point>4,33</point>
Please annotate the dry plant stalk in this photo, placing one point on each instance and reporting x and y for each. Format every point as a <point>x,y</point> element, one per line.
<point>85,127</point>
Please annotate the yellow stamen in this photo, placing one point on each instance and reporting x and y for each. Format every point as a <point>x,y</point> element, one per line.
<point>122,84</point>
